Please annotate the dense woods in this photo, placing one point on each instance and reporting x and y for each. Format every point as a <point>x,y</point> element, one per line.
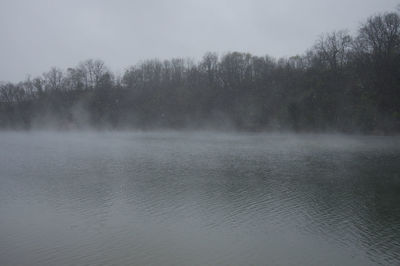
<point>343,83</point>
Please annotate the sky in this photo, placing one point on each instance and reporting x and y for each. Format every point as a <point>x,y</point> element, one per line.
<point>37,35</point>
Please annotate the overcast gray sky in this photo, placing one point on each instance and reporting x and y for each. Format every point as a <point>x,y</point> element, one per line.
<point>38,34</point>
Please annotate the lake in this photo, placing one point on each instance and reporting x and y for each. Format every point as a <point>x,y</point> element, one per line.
<point>170,198</point>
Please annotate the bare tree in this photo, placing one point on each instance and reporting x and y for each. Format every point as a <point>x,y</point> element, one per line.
<point>92,71</point>
<point>53,79</point>
<point>333,48</point>
<point>380,36</point>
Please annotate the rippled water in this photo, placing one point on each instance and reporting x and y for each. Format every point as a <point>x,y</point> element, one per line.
<point>198,199</point>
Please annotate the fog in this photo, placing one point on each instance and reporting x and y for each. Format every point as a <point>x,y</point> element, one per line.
<point>346,81</point>
<point>203,198</point>
<point>199,133</point>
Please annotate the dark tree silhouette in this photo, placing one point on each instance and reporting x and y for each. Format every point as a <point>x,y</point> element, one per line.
<point>343,83</point>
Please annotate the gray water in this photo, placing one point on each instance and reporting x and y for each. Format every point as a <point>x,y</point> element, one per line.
<point>198,199</point>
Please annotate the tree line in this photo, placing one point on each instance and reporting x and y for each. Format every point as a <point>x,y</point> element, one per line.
<point>343,83</point>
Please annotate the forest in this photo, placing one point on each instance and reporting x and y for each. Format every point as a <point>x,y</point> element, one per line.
<point>345,82</point>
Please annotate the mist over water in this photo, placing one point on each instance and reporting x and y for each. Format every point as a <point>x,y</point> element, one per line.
<point>190,145</point>
<point>198,198</point>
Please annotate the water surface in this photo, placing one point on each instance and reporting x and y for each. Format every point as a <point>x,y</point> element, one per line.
<point>198,199</point>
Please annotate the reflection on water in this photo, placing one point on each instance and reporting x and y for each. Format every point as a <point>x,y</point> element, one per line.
<point>198,199</point>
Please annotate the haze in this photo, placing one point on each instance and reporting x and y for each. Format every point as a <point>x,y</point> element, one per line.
<point>36,35</point>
